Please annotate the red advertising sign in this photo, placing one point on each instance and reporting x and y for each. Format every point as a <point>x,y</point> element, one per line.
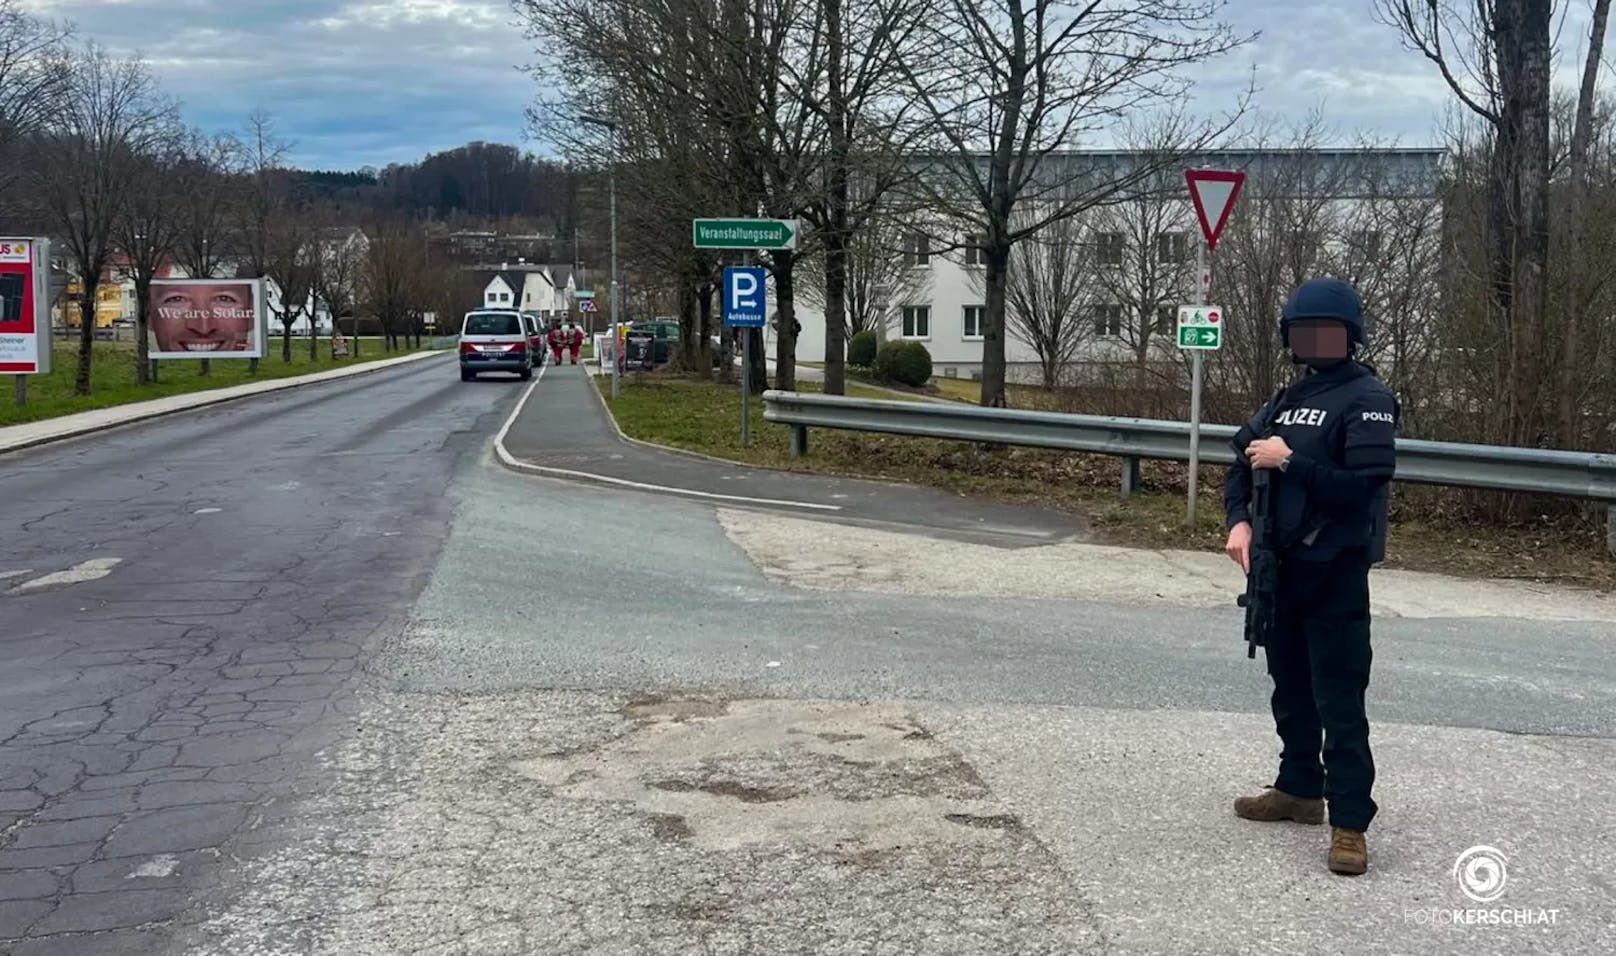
<point>25,344</point>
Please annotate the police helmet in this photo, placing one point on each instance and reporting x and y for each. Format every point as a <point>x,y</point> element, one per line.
<point>1324,298</point>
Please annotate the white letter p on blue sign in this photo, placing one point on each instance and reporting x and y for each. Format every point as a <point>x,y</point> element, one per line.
<point>745,304</point>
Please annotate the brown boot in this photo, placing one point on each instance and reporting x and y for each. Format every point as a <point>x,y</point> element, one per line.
<point>1275,805</point>
<point>1349,854</point>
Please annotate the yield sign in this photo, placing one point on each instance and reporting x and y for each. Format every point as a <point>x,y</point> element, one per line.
<point>1213,191</point>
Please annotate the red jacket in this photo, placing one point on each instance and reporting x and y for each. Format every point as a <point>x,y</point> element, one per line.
<point>577,337</point>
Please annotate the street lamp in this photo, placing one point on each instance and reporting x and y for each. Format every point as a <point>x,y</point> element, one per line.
<point>613,128</point>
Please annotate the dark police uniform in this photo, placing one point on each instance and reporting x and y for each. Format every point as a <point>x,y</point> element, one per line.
<point>1329,516</point>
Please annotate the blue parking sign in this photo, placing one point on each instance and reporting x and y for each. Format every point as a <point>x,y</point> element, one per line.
<point>745,297</point>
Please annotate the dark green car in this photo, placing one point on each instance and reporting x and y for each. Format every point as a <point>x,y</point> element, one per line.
<point>667,338</point>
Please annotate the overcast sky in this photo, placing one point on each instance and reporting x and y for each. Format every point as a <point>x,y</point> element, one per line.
<point>368,82</point>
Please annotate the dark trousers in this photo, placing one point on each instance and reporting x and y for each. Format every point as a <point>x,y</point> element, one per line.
<point>1319,659</point>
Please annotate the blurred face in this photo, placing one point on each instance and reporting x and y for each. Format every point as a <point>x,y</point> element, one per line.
<point>1319,341</point>
<point>204,317</point>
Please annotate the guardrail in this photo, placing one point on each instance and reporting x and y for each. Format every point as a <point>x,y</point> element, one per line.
<point>1586,475</point>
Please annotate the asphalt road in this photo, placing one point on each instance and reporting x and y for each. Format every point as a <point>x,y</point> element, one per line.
<point>392,698</point>
<point>152,715</point>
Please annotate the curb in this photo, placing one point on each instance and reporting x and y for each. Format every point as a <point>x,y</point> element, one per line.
<point>135,412</point>
<point>513,463</point>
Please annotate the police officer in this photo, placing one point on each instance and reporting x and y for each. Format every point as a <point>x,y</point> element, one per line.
<point>1328,439</point>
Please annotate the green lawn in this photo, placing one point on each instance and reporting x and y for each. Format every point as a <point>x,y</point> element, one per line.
<point>704,416</point>
<point>112,377</point>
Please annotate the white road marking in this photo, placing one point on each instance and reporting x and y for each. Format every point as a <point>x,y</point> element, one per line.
<point>78,574</point>
<point>207,511</point>
<point>16,574</point>
<point>511,461</point>
<point>157,867</point>
<point>774,663</point>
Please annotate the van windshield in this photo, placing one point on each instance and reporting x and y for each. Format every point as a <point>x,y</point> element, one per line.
<point>492,323</point>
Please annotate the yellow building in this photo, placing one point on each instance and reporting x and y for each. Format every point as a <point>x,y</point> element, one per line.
<point>109,304</point>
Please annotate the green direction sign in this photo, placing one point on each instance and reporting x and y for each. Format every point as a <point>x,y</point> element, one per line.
<point>1200,327</point>
<point>745,233</point>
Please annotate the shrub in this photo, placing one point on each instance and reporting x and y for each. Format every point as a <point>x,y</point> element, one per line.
<point>903,363</point>
<point>861,351</point>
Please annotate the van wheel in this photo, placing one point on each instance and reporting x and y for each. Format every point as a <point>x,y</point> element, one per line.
<point>527,373</point>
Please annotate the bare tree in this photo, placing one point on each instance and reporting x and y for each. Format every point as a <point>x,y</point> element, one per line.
<point>339,255</point>
<point>35,79</point>
<point>203,192</point>
<point>1010,86</point>
<point>876,281</point>
<point>113,115</point>
<point>1050,283</point>
<point>291,261</point>
<point>1496,56</point>
<point>148,230</point>
<point>1143,256</point>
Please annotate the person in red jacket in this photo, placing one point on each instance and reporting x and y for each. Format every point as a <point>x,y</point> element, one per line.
<point>575,340</point>
<point>555,342</point>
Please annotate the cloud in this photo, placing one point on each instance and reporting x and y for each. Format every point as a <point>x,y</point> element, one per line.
<point>349,82</point>
<point>368,82</point>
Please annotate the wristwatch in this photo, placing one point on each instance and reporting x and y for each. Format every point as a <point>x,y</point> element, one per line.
<point>1285,462</point>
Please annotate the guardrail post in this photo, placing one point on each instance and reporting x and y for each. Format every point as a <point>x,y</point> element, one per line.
<point>1610,528</point>
<point>1130,475</point>
<point>799,440</point>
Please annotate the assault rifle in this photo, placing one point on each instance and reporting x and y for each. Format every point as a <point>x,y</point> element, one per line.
<point>1262,581</point>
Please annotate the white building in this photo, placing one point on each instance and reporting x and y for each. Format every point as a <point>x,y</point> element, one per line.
<point>530,287</point>
<point>1125,269</point>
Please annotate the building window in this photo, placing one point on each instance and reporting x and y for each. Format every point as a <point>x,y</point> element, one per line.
<point>917,321</point>
<point>1108,320</point>
<point>976,319</point>
<point>916,250</point>
<point>1172,247</point>
<point>1166,319</point>
<point>1109,247</point>
<point>974,256</point>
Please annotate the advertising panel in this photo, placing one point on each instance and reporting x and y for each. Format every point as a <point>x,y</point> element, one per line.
<point>207,318</point>
<point>25,342</point>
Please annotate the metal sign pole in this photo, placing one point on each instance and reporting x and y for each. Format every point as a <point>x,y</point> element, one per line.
<point>1202,279</point>
<point>746,385</point>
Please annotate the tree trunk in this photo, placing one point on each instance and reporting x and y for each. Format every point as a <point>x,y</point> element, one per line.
<point>206,368</point>
<point>286,339</point>
<point>1570,434</point>
<point>81,380</point>
<point>835,234</point>
<point>142,317</point>
<point>1532,264</point>
<point>759,380</point>
<point>353,338</point>
<point>690,331</point>
<point>785,342</point>
<point>314,341</point>
<point>997,254</point>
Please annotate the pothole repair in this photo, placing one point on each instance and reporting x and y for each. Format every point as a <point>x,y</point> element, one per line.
<point>857,778</point>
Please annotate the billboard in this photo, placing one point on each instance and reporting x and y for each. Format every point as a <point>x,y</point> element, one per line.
<point>207,318</point>
<point>25,335</point>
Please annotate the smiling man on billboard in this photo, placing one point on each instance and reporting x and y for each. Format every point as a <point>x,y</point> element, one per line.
<point>202,318</point>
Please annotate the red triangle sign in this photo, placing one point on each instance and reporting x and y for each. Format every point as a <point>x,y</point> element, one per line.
<point>1214,191</point>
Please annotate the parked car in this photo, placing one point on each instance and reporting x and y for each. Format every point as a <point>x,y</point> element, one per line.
<point>494,340</point>
<point>666,341</point>
<point>535,336</point>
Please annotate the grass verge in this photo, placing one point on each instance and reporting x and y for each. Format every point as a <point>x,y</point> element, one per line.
<point>703,416</point>
<point>112,378</point>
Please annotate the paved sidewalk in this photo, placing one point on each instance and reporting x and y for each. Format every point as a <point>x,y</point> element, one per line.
<point>28,434</point>
<point>564,427</point>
